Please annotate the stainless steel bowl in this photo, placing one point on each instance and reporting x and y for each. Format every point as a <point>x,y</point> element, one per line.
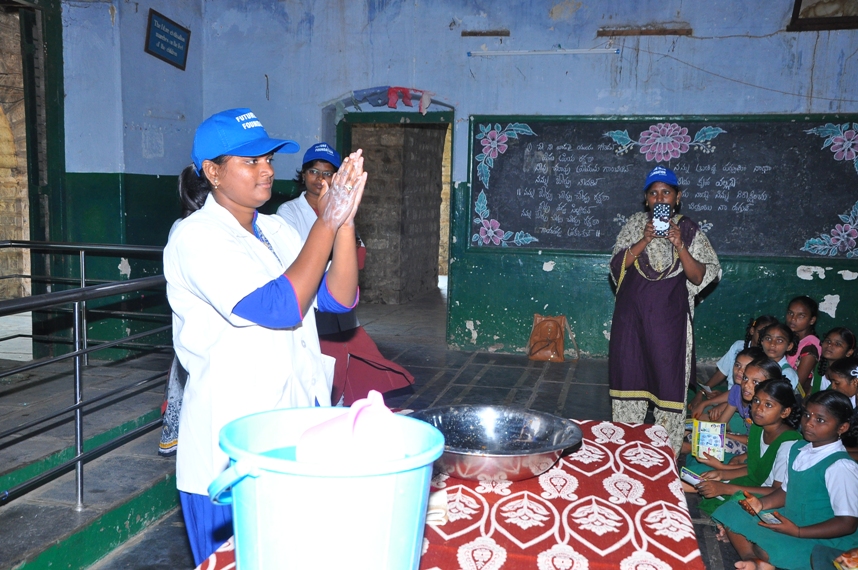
<point>499,442</point>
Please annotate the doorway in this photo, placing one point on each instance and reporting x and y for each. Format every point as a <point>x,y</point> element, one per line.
<point>404,215</point>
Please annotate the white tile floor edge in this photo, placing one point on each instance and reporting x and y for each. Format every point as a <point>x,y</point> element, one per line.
<point>16,348</point>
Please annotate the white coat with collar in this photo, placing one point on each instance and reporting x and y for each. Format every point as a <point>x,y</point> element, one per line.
<point>299,214</point>
<point>235,367</point>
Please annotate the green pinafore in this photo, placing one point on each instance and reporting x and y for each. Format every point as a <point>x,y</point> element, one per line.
<point>807,504</point>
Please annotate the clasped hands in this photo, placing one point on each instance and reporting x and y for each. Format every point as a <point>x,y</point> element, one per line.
<point>339,200</point>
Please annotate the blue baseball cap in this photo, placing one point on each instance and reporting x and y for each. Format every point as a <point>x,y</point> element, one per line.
<point>322,151</point>
<point>661,174</point>
<point>236,132</point>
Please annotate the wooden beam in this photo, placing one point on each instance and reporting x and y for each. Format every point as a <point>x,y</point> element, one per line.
<point>613,32</point>
<point>484,33</point>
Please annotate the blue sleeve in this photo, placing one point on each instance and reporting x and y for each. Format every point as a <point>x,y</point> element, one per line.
<point>274,305</point>
<point>734,397</point>
<point>326,302</point>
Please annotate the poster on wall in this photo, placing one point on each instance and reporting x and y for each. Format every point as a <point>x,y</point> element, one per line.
<point>824,15</point>
<point>167,40</point>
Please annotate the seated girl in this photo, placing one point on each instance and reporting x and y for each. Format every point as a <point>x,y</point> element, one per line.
<point>758,370</point>
<point>724,367</point>
<point>778,341</point>
<point>817,502</point>
<point>837,343</point>
<point>776,415</point>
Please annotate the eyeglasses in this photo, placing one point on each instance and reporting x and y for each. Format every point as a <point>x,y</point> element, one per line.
<point>316,172</point>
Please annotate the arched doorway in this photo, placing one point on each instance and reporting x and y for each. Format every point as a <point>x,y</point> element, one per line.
<point>404,216</point>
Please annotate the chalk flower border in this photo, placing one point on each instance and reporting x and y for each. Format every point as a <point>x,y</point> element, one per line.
<point>494,141</point>
<point>842,239</point>
<point>663,142</point>
<point>842,140</point>
<point>490,231</point>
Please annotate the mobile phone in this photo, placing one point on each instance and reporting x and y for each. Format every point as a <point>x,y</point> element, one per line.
<point>661,219</point>
<point>768,518</point>
<point>690,476</point>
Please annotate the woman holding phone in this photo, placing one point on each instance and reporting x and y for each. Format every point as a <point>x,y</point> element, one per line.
<point>658,268</point>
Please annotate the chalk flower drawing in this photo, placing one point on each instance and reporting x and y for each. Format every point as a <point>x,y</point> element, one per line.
<point>841,239</point>
<point>490,231</point>
<point>663,142</point>
<point>842,140</point>
<point>494,141</point>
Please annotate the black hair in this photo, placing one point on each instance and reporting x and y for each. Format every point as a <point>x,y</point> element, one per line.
<point>299,174</point>
<point>676,188</point>
<point>755,352</point>
<point>194,188</point>
<point>781,392</point>
<point>787,332</point>
<point>840,407</point>
<point>812,307</point>
<point>847,366</point>
<point>759,323</point>
<point>770,368</point>
<point>848,337</point>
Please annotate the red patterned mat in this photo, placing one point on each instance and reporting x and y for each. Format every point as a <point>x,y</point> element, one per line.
<point>615,503</point>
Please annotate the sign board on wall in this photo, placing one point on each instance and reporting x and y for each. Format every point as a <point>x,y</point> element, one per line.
<point>167,40</point>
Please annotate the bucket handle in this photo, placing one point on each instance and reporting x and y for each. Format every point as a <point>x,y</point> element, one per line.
<point>220,491</point>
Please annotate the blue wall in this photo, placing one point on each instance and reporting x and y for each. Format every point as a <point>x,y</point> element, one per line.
<point>290,61</point>
<point>738,61</point>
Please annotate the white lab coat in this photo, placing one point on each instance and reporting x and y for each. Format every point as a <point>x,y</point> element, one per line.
<point>235,367</point>
<point>299,214</point>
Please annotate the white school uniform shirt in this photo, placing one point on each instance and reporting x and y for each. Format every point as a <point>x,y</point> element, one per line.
<point>725,365</point>
<point>841,478</point>
<point>789,373</point>
<point>235,367</point>
<point>825,384</point>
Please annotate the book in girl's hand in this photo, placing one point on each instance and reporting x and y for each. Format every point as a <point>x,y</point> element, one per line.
<point>708,438</point>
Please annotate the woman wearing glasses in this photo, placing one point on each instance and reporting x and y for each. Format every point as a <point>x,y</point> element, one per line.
<point>360,366</point>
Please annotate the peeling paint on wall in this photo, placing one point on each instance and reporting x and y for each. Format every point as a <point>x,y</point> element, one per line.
<point>548,266</point>
<point>848,275</point>
<point>806,272</point>
<point>124,268</point>
<point>829,305</point>
<point>470,326</point>
<point>564,10</point>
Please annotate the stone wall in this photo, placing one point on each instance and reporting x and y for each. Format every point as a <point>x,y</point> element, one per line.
<point>446,182</point>
<point>14,202</point>
<point>399,217</point>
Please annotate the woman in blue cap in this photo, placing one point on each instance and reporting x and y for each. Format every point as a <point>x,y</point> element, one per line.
<point>657,272</point>
<point>241,286</point>
<point>360,366</point>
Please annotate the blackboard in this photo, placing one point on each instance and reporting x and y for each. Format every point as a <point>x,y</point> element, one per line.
<point>763,185</point>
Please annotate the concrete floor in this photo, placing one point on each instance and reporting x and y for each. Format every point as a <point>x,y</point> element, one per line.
<point>413,335</point>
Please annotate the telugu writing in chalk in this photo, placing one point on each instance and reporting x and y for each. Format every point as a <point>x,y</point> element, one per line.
<point>571,182</point>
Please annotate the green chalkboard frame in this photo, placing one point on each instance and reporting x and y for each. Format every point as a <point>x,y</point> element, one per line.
<point>474,148</point>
